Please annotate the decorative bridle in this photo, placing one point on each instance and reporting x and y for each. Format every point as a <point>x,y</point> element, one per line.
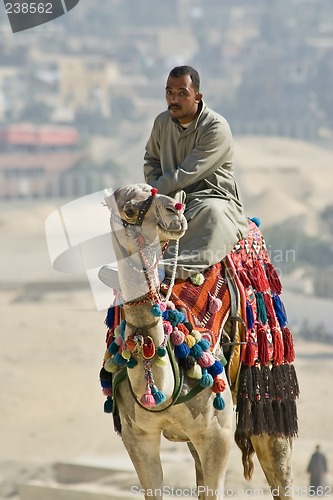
<point>147,268</point>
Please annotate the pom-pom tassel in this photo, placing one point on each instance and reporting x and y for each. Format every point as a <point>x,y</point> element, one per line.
<point>250,353</point>
<point>218,385</point>
<point>148,399</point>
<point>269,310</point>
<point>273,278</point>
<point>108,405</point>
<point>249,316</point>
<point>257,277</point>
<point>261,309</point>
<point>206,379</point>
<point>158,395</point>
<point>279,310</point>
<point>263,351</point>
<point>218,402</point>
<point>109,320</point>
<point>289,350</point>
<point>278,346</point>
<point>156,311</point>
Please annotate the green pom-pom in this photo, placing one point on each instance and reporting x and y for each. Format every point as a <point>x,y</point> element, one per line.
<point>218,402</point>
<point>206,379</point>
<point>156,311</point>
<point>131,363</point>
<point>196,351</point>
<point>204,344</point>
<point>113,348</point>
<point>197,279</point>
<point>161,351</point>
<point>108,405</point>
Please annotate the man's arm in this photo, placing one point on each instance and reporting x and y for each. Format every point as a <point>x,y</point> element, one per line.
<point>210,153</point>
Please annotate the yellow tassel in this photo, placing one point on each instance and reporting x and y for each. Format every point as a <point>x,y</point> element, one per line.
<point>110,366</point>
<point>189,341</point>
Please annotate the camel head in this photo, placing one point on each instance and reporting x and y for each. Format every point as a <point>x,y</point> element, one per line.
<point>140,210</point>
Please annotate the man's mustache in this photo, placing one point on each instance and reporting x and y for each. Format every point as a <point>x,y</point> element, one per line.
<point>174,106</point>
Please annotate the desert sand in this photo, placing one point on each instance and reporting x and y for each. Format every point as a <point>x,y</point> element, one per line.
<point>52,343</point>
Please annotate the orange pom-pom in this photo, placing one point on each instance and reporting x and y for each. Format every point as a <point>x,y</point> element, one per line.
<point>218,385</point>
<point>182,328</point>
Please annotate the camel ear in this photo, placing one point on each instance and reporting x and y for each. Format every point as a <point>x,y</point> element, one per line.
<point>108,197</point>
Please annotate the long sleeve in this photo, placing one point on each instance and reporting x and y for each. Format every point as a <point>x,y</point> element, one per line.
<point>209,154</point>
<point>152,164</point>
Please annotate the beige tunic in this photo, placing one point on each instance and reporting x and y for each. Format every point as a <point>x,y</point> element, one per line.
<point>199,161</point>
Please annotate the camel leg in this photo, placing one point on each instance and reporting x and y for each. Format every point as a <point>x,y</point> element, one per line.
<point>144,451</point>
<point>213,450</point>
<point>274,455</point>
<point>198,471</point>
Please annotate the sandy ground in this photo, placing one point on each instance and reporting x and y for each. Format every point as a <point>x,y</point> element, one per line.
<point>52,342</point>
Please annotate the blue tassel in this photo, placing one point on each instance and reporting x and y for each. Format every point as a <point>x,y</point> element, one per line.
<point>256,220</point>
<point>261,308</point>
<point>204,344</point>
<point>206,379</point>
<point>279,310</point>
<point>108,405</point>
<point>106,384</point>
<point>119,360</point>
<point>175,317</point>
<point>196,351</point>
<point>218,402</point>
<point>215,369</point>
<point>156,311</point>
<point>182,350</point>
<point>249,316</point>
<point>113,348</point>
<point>109,320</point>
<point>159,396</point>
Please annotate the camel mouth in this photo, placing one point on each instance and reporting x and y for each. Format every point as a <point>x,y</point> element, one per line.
<point>172,234</point>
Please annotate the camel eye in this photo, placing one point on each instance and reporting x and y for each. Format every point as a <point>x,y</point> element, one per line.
<point>129,212</point>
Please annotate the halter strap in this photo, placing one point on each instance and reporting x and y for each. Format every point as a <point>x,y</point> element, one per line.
<point>142,212</point>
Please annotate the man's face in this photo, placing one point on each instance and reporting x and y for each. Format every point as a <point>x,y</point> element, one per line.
<point>182,99</point>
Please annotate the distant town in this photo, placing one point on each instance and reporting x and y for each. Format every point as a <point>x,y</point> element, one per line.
<point>75,94</point>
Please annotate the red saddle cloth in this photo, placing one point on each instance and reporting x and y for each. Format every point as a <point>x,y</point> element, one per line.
<point>206,314</point>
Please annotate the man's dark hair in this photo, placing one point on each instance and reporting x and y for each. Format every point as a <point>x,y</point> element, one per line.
<point>179,71</point>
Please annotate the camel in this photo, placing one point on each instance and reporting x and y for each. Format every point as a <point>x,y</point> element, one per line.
<point>142,222</point>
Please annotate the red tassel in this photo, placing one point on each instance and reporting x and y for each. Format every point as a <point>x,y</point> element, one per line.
<point>270,310</point>
<point>243,277</point>
<point>289,350</point>
<point>258,278</point>
<point>250,353</point>
<point>263,351</point>
<point>278,346</point>
<point>273,278</point>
